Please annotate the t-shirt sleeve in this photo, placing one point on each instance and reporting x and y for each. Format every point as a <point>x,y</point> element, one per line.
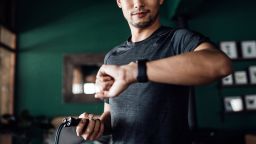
<point>106,58</point>
<point>184,40</point>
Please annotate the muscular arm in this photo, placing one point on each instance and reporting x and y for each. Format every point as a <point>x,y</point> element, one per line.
<point>205,64</point>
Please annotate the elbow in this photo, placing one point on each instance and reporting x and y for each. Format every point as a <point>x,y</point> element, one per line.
<point>220,69</point>
<point>224,68</point>
<point>227,68</point>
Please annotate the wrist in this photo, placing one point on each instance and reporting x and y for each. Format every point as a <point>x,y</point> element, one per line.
<point>131,72</point>
<point>142,71</point>
<point>106,120</point>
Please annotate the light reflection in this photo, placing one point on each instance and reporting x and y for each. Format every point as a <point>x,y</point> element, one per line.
<point>89,88</point>
<point>86,88</point>
<point>77,89</point>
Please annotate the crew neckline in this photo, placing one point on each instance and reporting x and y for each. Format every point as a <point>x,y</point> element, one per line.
<point>155,33</point>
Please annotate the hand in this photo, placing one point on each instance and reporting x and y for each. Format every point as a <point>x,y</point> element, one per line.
<point>103,83</point>
<point>90,127</point>
<point>112,79</point>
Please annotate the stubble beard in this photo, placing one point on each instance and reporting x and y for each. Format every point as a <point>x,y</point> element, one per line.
<point>144,24</point>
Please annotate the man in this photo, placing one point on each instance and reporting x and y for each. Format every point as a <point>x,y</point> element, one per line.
<point>146,80</point>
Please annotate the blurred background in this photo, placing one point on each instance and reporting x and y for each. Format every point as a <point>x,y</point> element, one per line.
<point>50,49</point>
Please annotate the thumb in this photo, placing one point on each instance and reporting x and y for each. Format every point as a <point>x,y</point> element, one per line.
<point>117,88</point>
<point>101,95</point>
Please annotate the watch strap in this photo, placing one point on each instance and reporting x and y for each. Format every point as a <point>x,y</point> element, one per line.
<point>142,71</point>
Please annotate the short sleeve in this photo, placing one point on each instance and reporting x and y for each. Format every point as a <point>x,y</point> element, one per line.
<point>184,40</point>
<point>106,58</point>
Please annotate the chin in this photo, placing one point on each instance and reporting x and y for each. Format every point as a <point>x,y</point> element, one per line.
<point>141,24</point>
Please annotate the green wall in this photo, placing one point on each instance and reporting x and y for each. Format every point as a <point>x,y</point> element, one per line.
<point>50,29</point>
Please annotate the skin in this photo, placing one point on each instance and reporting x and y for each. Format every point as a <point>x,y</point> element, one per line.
<point>204,65</point>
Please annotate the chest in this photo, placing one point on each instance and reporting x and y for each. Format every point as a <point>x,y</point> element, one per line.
<point>153,50</point>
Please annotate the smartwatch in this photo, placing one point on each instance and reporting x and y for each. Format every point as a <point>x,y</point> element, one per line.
<point>142,76</point>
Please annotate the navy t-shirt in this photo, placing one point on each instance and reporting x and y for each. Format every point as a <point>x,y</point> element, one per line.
<point>152,113</point>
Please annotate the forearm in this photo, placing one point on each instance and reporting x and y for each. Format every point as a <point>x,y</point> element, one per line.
<point>193,68</point>
<point>106,119</point>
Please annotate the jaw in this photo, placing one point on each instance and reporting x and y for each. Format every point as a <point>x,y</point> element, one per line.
<point>141,33</point>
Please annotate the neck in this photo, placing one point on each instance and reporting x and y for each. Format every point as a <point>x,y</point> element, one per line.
<point>139,34</point>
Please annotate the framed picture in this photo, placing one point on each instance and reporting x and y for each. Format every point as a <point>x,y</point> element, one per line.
<point>248,49</point>
<point>229,48</point>
<point>252,74</point>
<point>228,80</point>
<point>241,77</point>
<point>233,104</point>
<point>250,102</point>
<point>79,77</point>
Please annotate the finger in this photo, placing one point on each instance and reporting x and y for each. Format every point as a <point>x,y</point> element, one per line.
<point>81,126</point>
<point>101,72</point>
<point>117,88</point>
<point>107,70</point>
<point>95,131</point>
<point>101,86</point>
<point>89,129</point>
<point>98,95</point>
<point>100,131</point>
<point>105,78</point>
<point>84,115</point>
<point>102,95</point>
<point>109,85</point>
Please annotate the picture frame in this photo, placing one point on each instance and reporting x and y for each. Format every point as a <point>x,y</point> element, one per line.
<point>248,49</point>
<point>233,104</point>
<point>79,77</point>
<point>241,78</point>
<point>252,74</point>
<point>250,102</point>
<point>229,48</point>
<point>228,80</point>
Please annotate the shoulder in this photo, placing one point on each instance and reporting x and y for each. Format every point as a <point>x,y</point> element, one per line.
<point>181,32</point>
<point>165,30</point>
<point>187,35</point>
<point>176,33</point>
<point>113,51</point>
